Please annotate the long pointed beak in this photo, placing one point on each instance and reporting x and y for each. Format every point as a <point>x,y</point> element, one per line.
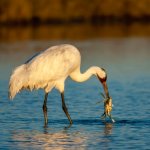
<point>103,81</point>
<point>105,89</point>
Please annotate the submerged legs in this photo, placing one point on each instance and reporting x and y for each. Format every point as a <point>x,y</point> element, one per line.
<point>45,109</point>
<point>65,108</point>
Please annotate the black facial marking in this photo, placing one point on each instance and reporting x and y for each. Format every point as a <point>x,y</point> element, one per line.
<point>103,69</point>
<point>102,79</point>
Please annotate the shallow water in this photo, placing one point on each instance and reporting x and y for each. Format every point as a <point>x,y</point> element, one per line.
<point>127,62</point>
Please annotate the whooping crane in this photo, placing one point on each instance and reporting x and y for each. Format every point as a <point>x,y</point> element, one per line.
<point>49,69</point>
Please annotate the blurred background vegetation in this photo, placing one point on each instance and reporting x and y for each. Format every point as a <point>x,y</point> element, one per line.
<point>45,11</point>
<point>73,19</point>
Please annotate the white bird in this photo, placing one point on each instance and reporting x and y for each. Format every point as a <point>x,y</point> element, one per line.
<point>49,69</point>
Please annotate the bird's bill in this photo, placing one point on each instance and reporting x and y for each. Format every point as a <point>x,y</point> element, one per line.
<point>105,87</point>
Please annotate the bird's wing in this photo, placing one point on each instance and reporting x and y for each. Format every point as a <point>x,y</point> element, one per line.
<point>54,63</point>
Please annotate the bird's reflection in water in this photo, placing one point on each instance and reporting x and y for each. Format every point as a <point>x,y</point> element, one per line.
<point>108,128</point>
<point>67,138</point>
<point>56,141</point>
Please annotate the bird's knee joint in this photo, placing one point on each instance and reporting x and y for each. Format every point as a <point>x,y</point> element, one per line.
<point>44,108</point>
<point>64,108</point>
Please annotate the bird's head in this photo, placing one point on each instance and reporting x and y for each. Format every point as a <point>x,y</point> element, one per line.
<point>102,76</point>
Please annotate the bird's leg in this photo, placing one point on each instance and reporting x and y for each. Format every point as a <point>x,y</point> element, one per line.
<point>45,109</point>
<point>65,108</point>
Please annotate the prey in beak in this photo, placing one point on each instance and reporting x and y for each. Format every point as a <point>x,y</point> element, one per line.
<point>107,108</point>
<point>107,100</point>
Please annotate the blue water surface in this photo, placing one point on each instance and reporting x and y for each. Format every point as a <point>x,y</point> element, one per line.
<point>127,64</point>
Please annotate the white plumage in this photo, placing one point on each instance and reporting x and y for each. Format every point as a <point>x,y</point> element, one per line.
<point>50,68</point>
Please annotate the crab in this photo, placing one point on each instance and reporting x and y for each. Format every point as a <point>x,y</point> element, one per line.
<point>107,108</point>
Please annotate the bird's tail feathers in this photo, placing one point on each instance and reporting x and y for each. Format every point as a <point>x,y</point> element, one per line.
<point>17,81</point>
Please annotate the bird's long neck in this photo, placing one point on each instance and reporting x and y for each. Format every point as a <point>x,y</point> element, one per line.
<point>81,77</point>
